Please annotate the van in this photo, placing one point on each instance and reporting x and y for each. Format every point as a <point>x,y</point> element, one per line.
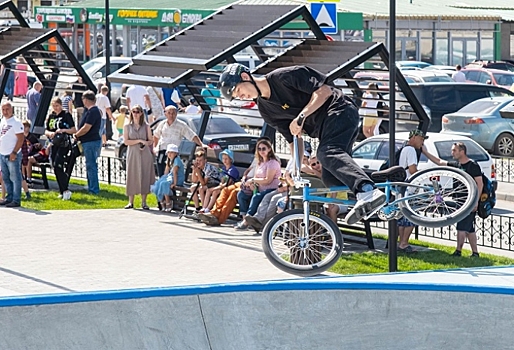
<point>443,98</point>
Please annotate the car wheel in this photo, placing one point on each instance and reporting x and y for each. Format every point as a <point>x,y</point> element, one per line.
<point>504,145</point>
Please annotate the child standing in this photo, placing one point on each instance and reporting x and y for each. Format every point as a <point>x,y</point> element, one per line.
<point>119,119</point>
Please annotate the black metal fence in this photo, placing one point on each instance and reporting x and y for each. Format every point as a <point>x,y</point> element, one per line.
<point>496,231</point>
<point>504,169</point>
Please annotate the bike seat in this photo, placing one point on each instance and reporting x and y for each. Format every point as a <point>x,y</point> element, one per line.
<point>395,174</point>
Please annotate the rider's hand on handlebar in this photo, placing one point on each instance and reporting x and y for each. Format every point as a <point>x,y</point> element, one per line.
<point>296,130</point>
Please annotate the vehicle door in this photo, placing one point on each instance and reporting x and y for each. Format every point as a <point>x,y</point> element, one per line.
<point>365,155</point>
<point>441,99</point>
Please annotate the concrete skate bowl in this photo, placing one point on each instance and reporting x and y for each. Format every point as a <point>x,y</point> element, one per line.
<point>299,314</point>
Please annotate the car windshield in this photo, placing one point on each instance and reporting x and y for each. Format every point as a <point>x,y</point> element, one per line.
<point>474,151</point>
<point>504,79</point>
<point>92,66</point>
<point>480,106</point>
<point>220,126</point>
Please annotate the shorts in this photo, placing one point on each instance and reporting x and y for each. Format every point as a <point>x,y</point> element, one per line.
<point>468,223</point>
<point>120,131</point>
<point>404,222</point>
<point>41,158</point>
<point>102,127</point>
<point>213,183</point>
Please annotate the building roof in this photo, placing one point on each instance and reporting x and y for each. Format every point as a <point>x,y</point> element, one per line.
<point>405,9</point>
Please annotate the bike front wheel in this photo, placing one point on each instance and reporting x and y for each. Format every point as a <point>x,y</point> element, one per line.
<point>288,248</point>
<point>438,197</point>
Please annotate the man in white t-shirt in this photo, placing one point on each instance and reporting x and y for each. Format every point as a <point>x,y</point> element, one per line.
<point>104,105</point>
<point>11,140</point>
<point>192,108</point>
<point>409,161</point>
<point>137,95</point>
<point>458,76</point>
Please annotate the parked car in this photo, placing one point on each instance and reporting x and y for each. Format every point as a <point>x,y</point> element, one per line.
<point>416,64</point>
<point>482,121</point>
<point>95,68</point>
<point>444,98</point>
<point>493,76</point>
<point>221,133</point>
<point>244,113</point>
<point>449,70</point>
<point>371,153</point>
<point>501,65</point>
<point>426,76</point>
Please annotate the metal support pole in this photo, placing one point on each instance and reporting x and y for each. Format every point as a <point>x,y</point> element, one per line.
<point>107,46</point>
<point>392,225</point>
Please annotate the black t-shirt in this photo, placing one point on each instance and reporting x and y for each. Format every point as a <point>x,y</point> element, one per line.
<point>291,90</point>
<point>471,167</point>
<point>77,96</point>
<point>93,117</point>
<point>63,120</point>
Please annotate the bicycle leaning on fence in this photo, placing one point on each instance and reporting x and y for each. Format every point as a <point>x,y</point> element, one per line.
<point>306,242</point>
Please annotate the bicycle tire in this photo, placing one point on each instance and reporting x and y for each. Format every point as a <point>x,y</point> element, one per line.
<point>325,249</point>
<point>436,206</point>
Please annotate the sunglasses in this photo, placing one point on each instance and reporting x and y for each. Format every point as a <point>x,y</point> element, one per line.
<point>314,164</point>
<point>262,148</point>
<point>136,112</point>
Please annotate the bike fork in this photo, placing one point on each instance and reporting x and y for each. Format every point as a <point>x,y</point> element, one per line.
<point>304,236</point>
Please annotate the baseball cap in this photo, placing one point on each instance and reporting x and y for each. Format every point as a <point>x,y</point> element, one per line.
<point>172,148</point>
<point>417,132</point>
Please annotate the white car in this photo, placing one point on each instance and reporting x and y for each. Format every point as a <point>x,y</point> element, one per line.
<point>426,76</point>
<point>371,153</point>
<point>244,113</point>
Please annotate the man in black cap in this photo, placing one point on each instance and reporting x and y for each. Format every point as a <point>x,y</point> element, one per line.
<point>297,99</point>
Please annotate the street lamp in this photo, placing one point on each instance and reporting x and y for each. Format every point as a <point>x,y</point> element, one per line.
<point>107,47</point>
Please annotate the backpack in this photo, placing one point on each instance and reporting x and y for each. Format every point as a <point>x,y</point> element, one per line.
<point>397,154</point>
<point>487,198</point>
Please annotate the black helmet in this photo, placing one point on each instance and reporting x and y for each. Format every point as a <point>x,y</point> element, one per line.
<point>230,77</point>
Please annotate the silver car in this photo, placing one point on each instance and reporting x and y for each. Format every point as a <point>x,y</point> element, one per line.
<point>487,121</point>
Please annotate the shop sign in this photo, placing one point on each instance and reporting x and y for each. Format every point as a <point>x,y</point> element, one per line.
<point>140,17</point>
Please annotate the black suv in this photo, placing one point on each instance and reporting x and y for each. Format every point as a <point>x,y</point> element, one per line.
<point>443,98</point>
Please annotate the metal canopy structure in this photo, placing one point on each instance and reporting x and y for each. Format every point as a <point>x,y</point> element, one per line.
<point>214,40</point>
<point>351,66</point>
<point>45,62</point>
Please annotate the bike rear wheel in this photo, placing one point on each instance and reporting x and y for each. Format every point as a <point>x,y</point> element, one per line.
<point>433,207</point>
<point>286,247</point>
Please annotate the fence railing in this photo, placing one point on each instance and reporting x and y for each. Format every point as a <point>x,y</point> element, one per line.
<point>504,169</point>
<point>496,231</point>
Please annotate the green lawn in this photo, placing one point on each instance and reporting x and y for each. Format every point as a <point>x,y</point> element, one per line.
<point>435,259</point>
<point>110,197</point>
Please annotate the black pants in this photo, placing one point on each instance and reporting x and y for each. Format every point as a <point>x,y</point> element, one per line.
<point>62,162</point>
<point>337,136</point>
<point>161,162</point>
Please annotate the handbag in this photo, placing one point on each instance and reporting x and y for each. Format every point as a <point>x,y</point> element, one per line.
<point>77,149</point>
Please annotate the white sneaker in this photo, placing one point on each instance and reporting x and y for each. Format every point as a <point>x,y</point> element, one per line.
<point>66,195</point>
<point>368,203</point>
<point>59,196</point>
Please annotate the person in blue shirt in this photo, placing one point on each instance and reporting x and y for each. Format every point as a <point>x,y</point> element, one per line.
<point>172,97</point>
<point>230,175</point>
<point>212,96</point>
<point>174,176</point>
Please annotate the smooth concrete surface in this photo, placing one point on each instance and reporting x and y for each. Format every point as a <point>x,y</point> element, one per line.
<point>312,313</point>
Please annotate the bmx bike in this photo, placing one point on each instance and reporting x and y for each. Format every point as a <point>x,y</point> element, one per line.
<point>306,242</point>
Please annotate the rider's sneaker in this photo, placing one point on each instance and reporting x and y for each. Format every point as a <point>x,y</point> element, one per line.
<point>367,204</point>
